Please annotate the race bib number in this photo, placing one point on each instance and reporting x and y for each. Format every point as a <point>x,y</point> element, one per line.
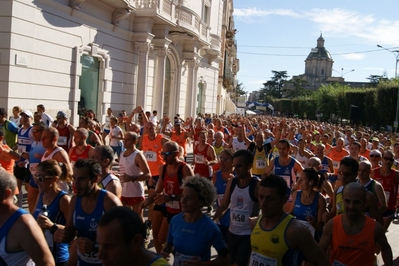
<point>199,159</point>
<point>173,204</point>
<point>181,259</point>
<point>261,260</point>
<point>62,141</point>
<point>32,168</point>
<point>308,226</point>
<point>21,149</point>
<point>150,156</point>
<point>335,165</point>
<point>89,257</point>
<point>260,164</point>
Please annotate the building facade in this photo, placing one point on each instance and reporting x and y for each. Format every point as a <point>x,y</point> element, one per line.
<point>71,55</point>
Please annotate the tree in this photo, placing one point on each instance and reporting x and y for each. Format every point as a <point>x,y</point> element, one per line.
<point>240,89</point>
<point>275,86</point>
<point>375,79</point>
<point>297,88</point>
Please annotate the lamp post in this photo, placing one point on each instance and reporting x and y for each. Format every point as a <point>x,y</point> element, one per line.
<point>342,72</point>
<point>396,54</point>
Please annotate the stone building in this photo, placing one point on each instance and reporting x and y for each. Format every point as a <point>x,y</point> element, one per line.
<point>166,55</point>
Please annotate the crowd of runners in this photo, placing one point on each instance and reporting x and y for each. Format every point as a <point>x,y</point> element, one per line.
<point>260,190</point>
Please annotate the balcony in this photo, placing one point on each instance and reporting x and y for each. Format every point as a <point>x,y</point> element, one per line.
<point>168,11</point>
<point>215,45</point>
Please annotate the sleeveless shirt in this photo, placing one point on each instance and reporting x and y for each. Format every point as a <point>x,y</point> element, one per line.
<point>352,249</point>
<point>269,247</point>
<point>128,166</point>
<point>86,226</point>
<point>13,258</point>
<point>152,152</point>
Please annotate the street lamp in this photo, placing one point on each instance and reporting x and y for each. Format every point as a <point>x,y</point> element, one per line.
<point>342,72</point>
<point>396,54</point>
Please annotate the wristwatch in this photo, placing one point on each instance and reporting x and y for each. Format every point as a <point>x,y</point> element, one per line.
<point>53,228</point>
<point>172,197</point>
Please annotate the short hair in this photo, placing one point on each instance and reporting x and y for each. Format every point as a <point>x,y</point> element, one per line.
<point>41,106</point>
<point>53,131</point>
<point>357,144</point>
<point>172,144</point>
<point>106,152</point>
<point>3,111</point>
<point>92,166</point>
<point>130,222</point>
<point>350,162</point>
<point>83,131</point>
<point>7,181</point>
<point>205,189</point>
<point>276,182</point>
<point>228,152</point>
<point>41,125</point>
<point>19,109</point>
<point>219,134</point>
<point>133,135</point>
<point>357,186</point>
<point>286,142</point>
<point>246,155</point>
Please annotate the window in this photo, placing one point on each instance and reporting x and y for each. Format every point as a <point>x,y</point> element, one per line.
<point>206,13</point>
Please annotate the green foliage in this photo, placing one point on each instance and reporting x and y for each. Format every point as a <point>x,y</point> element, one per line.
<point>275,86</point>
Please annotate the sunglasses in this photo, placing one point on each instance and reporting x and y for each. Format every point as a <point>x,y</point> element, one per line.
<point>374,156</point>
<point>167,153</point>
<point>40,178</point>
<point>388,159</point>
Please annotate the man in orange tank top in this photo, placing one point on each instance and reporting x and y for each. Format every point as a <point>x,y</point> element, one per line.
<point>349,235</point>
<point>178,134</point>
<point>151,144</point>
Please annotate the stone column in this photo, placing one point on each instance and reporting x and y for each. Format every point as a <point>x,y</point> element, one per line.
<point>191,96</point>
<point>142,73</point>
<point>159,90</point>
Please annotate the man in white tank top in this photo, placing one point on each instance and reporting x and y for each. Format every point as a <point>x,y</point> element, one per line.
<point>53,152</point>
<point>242,202</point>
<point>104,155</point>
<point>133,171</point>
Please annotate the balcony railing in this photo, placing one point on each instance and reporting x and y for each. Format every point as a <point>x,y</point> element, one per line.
<point>168,10</point>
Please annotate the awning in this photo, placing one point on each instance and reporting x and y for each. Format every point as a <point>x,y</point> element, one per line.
<point>230,107</point>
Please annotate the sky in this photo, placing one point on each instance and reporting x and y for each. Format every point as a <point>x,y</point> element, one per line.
<point>278,35</point>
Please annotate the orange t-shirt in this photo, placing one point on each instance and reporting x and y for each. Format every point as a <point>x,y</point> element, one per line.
<point>366,154</point>
<point>352,249</point>
<point>336,157</point>
<point>180,139</point>
<point>152,152</point>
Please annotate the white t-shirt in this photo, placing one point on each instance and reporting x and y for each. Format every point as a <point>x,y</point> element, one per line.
<point>114,133</point>
<point>47,119</point>
<point>128,166</point>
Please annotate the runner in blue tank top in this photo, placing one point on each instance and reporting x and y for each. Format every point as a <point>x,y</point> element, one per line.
<point>88,205</point>
<point>285,166</point>
<point>220,179</point>
<point>57,202</point>
<point>21,239</point>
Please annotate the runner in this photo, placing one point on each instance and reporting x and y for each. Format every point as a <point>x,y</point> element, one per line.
<point>87,207</point>
<point>81,148</point>
<point>204,157</point>
<point>277,237</point>
<point>351,237</point>
<point>121,235</point>
<point>242,196</point>
<point>57,202</point>
<point>20,236</point>
<point>193,224</point>
<point>168,191</point>
<point>65,130</point>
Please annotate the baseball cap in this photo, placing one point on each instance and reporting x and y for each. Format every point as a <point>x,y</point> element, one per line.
<point>375,139</point>
<point>27,112</point>
<point>62,114</point>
